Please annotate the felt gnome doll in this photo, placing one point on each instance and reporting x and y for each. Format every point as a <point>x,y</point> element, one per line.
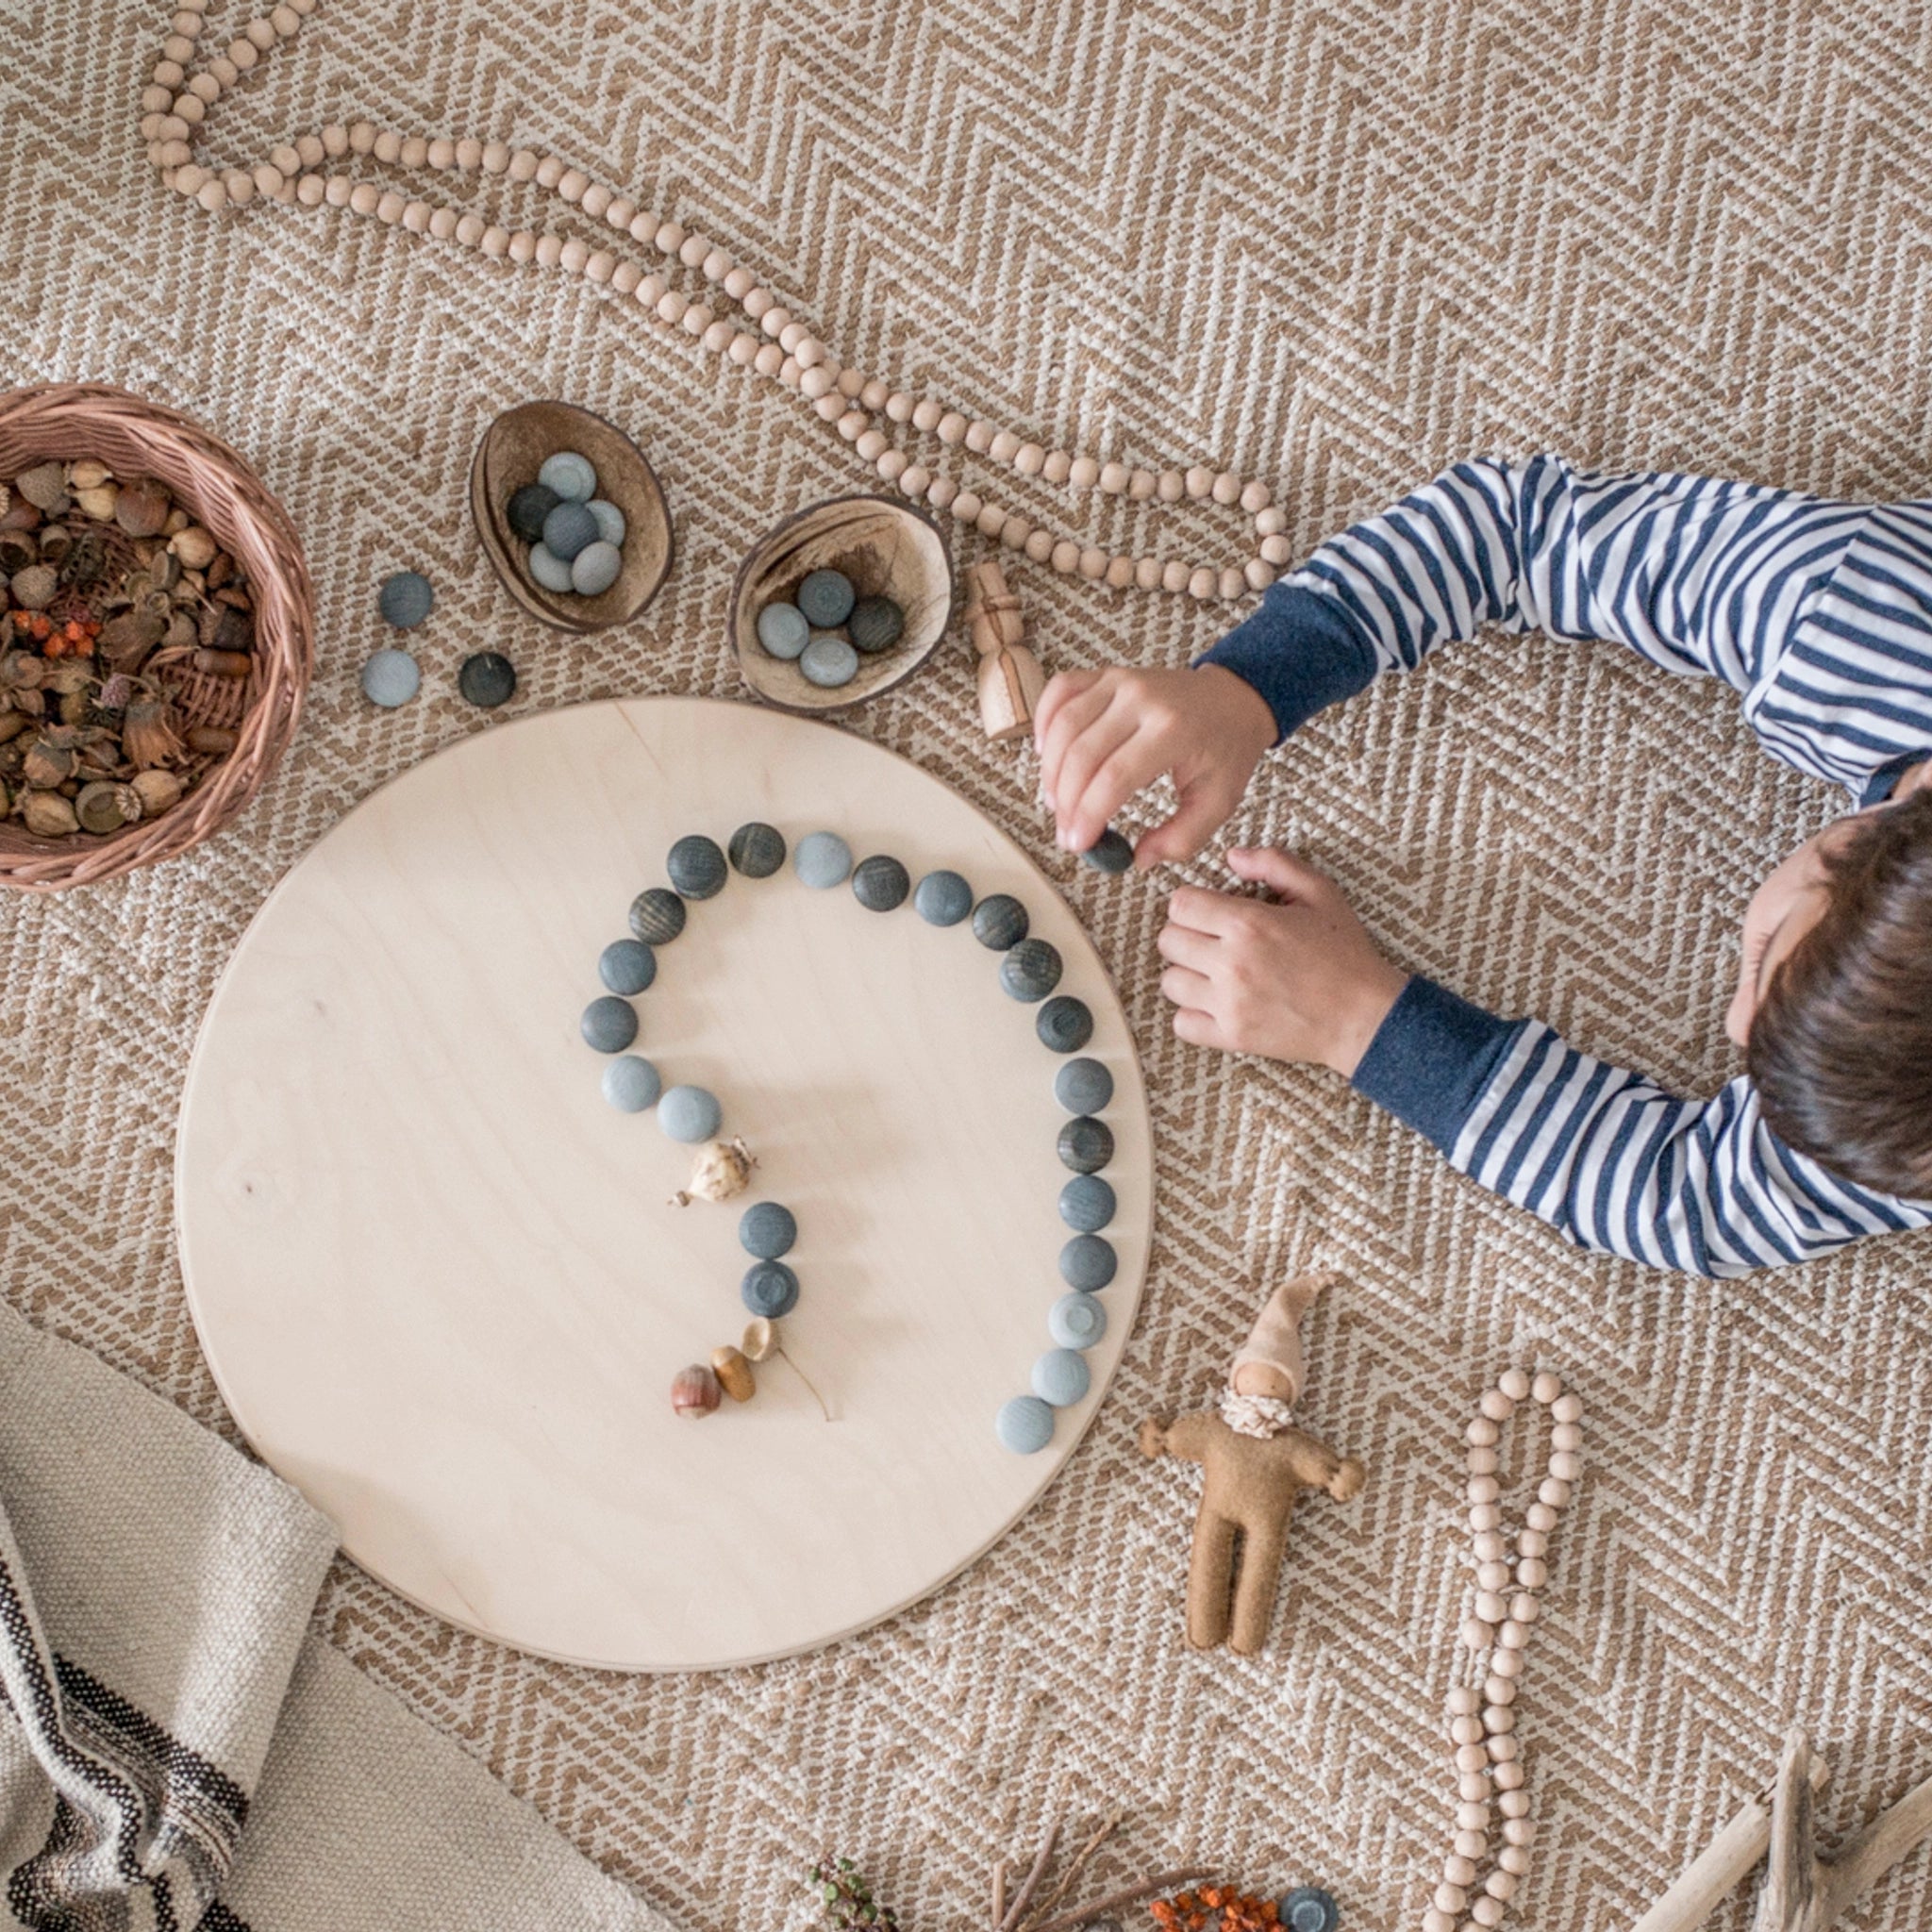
<point>1256,1463</point>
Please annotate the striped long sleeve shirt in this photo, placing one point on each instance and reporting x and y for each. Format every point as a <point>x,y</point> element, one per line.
<point>1819,614</point>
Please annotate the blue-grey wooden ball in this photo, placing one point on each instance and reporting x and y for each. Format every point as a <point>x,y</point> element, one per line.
<point>689,1113</point>
<point>943,898</point>
<point>695,867</point>
<point>1024,1424</point>
<point>610,524</point>
<point>627,966</point>
<point>1065,1024</point>
<point>527,508</point>
<point>631,1084</point>
<point>880,884</point>
<point>486,679</point>
<point>770,1288</point>
<point>568,529</point>
<point>999,920</point>
<point>1031,969</point>
<point>1076,1321</point>
<point>406,599</point>
<point>595,568</point>
<point>827,598</point>
<point>657,917</point>
<point>1086,1203</point>
<point>391,677</point>
<point>876,623</point>
<point>609,1024</point>
<point>1109,853</point>
<point>757,849</point>
<point>767,1230</point>
<point>822,861</point>
<point>571,475</point>
<point>552,573</point>
<point>783,631</point>
<point>1086,1144</point>
<point>1061,1377</point>
<point>1087,1263</point>
<point>1308,1908</point>
<point>1082,1086</point>
<point>828,661</point>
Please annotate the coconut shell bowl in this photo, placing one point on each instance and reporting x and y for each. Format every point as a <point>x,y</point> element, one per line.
<point>253,715</point>
<point>513,449</point>
<point>888,550</point>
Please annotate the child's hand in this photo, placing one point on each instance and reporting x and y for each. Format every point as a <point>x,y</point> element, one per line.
<point>1103,734</point>
<point>1297,980</point>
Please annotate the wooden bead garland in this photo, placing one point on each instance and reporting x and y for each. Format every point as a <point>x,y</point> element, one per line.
<point>175,107</point>
<point>1503,1607</point>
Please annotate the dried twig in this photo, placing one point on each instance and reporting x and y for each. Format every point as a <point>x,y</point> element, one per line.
<point>999,1893</point>
<point>1017,1909</point>
<point>1161,1881</point>
<point>1079,1861</point>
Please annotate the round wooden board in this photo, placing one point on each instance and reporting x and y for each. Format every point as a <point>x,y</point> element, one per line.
<point>439,1279</point>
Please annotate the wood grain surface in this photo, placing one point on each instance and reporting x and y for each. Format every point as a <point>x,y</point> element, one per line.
<point>439,1281</point>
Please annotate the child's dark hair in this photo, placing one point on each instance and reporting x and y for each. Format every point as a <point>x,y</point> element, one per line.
<point>1841,1044</point>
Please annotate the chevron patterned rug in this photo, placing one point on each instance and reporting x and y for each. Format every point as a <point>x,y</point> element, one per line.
<point>1334,246</point>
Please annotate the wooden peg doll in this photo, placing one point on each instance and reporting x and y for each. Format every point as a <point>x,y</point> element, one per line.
<point>1011,679</point>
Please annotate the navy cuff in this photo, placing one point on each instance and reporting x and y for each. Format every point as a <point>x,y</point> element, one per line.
<point>1299,651</point>
<point>1884,781</point>
<point>1432,1059</point>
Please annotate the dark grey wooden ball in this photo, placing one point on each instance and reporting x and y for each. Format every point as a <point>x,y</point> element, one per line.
<point>1064,1024</point>
<point>1109,853</point>
<point>1086,1203</point>
<point>770,1288</point>
<point>1088,1263</point>
<point>627,966</point>
<point>609,1024</point>
<point>1086,1144</point>
<point>695,867</point>
<point>1031,969</point>
<point>1082,1086</point>
<point>880,883</point>
<point>656,916</point>
<point>999,920</point>
<point>876,624</point>
<point>757,850</point>
<point>943,898</point>
<point>767,1230</point>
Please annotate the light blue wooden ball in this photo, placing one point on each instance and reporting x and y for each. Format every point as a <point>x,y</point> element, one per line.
<point>390,679</point>
<point>821,860</point>
<point>610,524</point>
<point>1061,1377</point>
<point>1076,1321</point>
<point>783,631</point>
<point>570,475</point>
<point>828,662</point>
<point>549,570</point>
<point>689,1113</point>
<point>631,1084</point>
<point>1024,1424</point>
<point>595,568</point>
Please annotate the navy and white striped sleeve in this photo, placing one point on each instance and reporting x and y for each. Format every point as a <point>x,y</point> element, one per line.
<point>1609,1159</point>
<point>1698,576</point>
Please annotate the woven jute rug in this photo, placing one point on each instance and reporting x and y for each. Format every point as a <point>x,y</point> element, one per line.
<point>1335,245</point>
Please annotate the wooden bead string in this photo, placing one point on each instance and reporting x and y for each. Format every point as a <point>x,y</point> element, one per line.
<point>1482,1714</point>
<point>863,409</point>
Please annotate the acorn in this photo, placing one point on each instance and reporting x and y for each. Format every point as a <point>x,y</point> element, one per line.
<point>695,1391</point>
<point>761,1339</point>
<point>733,1374</point>
<point>158,791</point>
<point>48,815</point>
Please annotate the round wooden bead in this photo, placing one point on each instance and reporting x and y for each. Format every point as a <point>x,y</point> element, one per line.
<point>1083,1087</point>
<point>880,883</point>
<point>1066,557</point>
<point>1232,582</point>
<point>1532,1543</point>
<point>1277,551</point>
<point>390,679</point>
<point>1499,1690</point>
<point>1485,1516</point>
<point>1508,1778</point>
<point>1061,1377</point>
<point>1173,576</point>
<point>1450,1898</point>
<point>1505,1663</point>
<point>1024,1424</point>
<point>757,850</point>
<point>1492,1546</point>
<point>1085,1144</point>
<point>1512,1636</point>
<point>1484,1462</point>
<point>1487,1912</point>
<point>1472,1785</point>
<point>1499,1719</point>
<point>1482,1433</point>
<point>1565,1466</point>
<point>1532,1572</point>
<point>1064,1025</point>
<point>1477,1635</point>
<point>1472,1816</point>
<point>770,1288</point>
<point>1541,1516</point>
<point>1493,1574</point>
<point>1514,1383</point>
<point>695,866</point>
<point>1546,1386</point>
<point>1491,1605</point>
<point>1030,969</point>
<point>767,1230</point>
<point>1119,572</point>
<point>822,861</point>
<point>1436,1920</point>
<point>1463,1701</point>
<point>943,898</point>
<point>1514,1858</point>
<point>1076,1321</point>
<point>1496,1406</point>
<point>608,1024</point>
<point>1204,583</point>
<point>1466,1730</point>
<point>1513,1804</point>
<point>1088,1263</point>
<point>1457,1869</point>
<point>1086,1203</point>
<point>1058,465</point>
<point>999,921</point>
<point>657,917</point>
<point>1503,1748</point>
<point>631,1084</point>
<point>828,661</point>
<point>1552,1490</point>
<point>595,568</point>
<point>1484,1488</point>
<point>1565,1436</point>
<point>1567,1409</point>
<point>1519,1830</point>
<point>627,966</point>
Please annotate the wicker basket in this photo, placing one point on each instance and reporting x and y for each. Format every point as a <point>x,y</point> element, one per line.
<point>136,438</point>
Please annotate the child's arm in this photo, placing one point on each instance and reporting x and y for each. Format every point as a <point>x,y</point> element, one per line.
<point>1605,1156</point>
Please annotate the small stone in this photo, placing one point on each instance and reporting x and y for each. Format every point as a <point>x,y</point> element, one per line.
<point>999,921</point>
<point>1308,1908</point>
<point>568,529</point>
<point>827,598</point>
<point>609,1024</point>
<point>1061,1377</point>
<point>611,524</point>
<point>1088,1263</point>
<point>390,679</point>
<point>770,1288</point>
<point>1031,969</point>
<point>595,568</point>
<point>1082,1086</point>
<point>1086,1144</point>
<point>569,475</point>
<point>631,1084</point>
<point>757,850</point>
<point>822,861</point>
<point>528,507</point>
<point>549,571</point>
<point>828,662</point>
<point>406,599</point>
<point>1109,853</point>
<point>783,631</point>
<point>1076,1321</point>
<point>880,884</point>
<point>1065,1026</point>
<point>689,1113</point>
<point>627,966</point>
<point>943,898</point>
<point>486,679</point>
<point>876,623</point>
<point>1086,1203</point>
<point>657,917</point>
<point>1024,1424</point>
<point>696,867</point>
<point>767,1230</point>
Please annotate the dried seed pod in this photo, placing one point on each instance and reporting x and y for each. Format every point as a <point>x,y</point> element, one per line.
<point>17,550</point>
<point>760,1338</point>
<point>182,632</point>
<point>19,515</point>
<point>694,1391</point>
<point>47,765</point>
<point>22,670</point>
<point>148,735</point>
<point>225,628</point>
<point>99,501</point>
<point>164,571</point>
<point>48,815</point>
<point>719,1171</point>
<point>34,588</point>
<point>193,547</point>
<point>44,486</point>
<point>12,724</point>
<point>126,640</point>
<point>106,806</point>
<point>733,1374</point>
<point>142,508</point>
<point>88,473</point>
<point>223,663</point>
<point>158,791</point>
<point>210,739</point>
